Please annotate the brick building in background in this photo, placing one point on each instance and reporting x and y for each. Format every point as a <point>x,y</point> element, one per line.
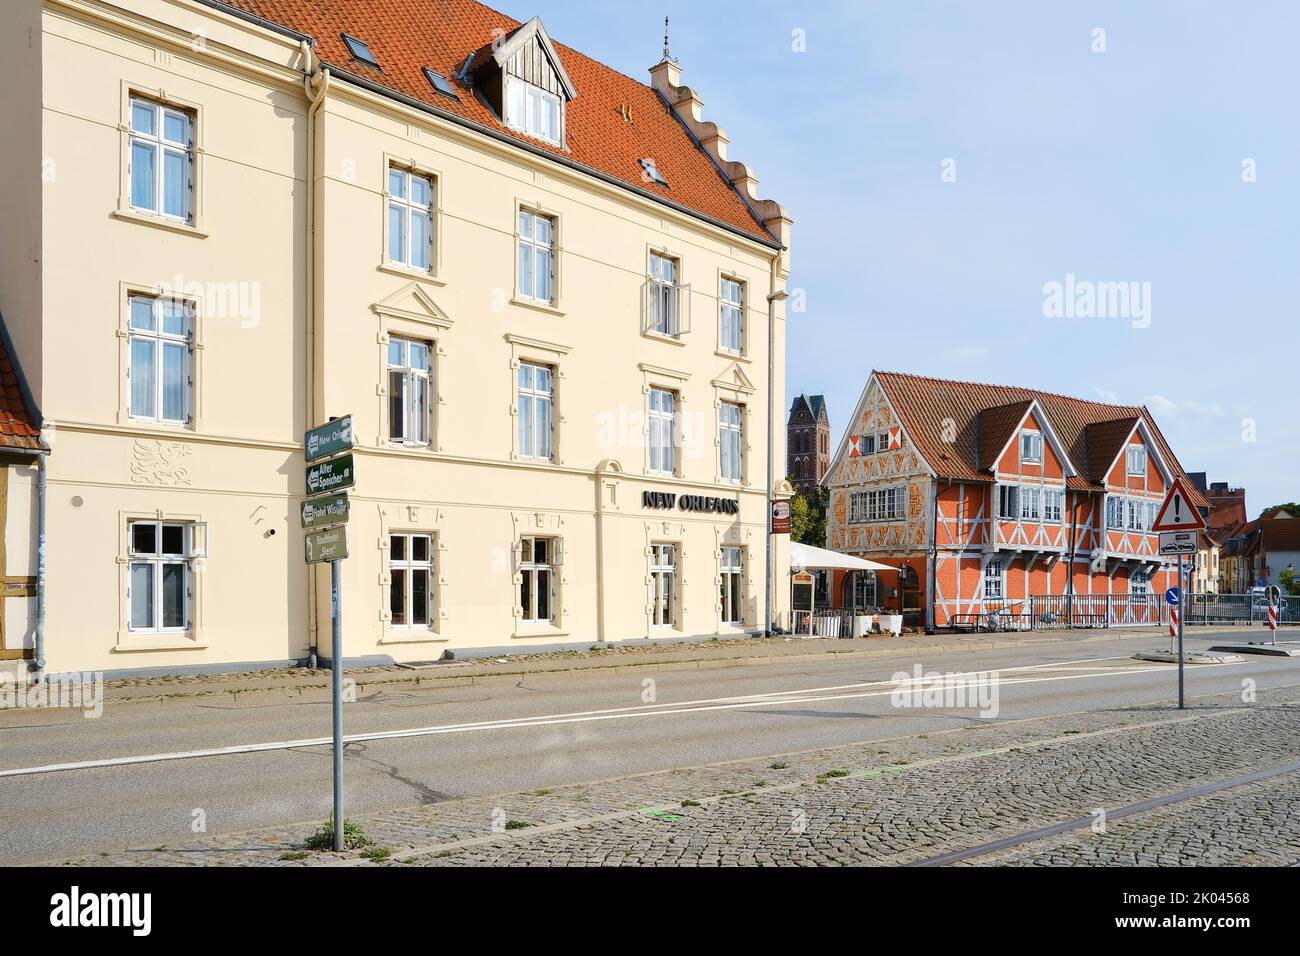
<point>807,442</point>
<point>986,495</point>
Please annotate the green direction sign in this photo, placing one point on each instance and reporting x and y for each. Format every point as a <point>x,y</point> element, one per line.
<point>328,439</point>
<point>330,544</point>
<point>325,511</point>
<point>333,475</point>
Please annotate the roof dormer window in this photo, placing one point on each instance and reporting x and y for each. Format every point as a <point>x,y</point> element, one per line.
<point>532,110</point>
<point>360,50</point>
<point>522,77</point>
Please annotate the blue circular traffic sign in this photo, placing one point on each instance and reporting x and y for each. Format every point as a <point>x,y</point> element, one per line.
<point>1172,596</point>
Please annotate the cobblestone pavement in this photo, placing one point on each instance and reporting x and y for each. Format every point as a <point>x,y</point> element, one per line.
<point>884,802</point>
<point>1257,824</point>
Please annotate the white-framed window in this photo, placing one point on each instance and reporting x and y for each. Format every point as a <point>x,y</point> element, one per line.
<point>730,418</point>
<point>1053,505</point>
<point>537,560</point>
<point>733,586</point>
<point>532,110</point>
<point>881,504</point>
<point>663,579</point>
<point>1031,503</point>
<point>1031,447</point>
<point>663,295</point>
<point>160,586</point>
<point>663,429</point>
<point>410,379</point>
<point>1137,514</point>
<point>866,444</point>
<point>1008,502</point>
<point>536,384</point>
<point>993,579</point>
<point>162,159</point>
<point>882,442</point>
<point>410,219</point>
<point>411,580</point>
<point>536,259</point>
<point>1136,456</point>
<point>161,335</point>
<point>1138,583</point>
<point>731,308</point>
<point>1115,513</point>
<point>889,504</point>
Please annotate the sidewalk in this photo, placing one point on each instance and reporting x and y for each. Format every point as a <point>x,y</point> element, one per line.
<point>304,684</point>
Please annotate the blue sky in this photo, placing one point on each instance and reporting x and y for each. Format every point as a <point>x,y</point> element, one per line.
<point>1117,166</point>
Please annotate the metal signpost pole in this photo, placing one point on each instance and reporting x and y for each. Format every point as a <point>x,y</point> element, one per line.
<point>1182,613</point>
<point>336,652</point>
<point>325,511</point>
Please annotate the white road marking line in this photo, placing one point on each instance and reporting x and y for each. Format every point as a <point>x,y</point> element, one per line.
<point>653,710</point>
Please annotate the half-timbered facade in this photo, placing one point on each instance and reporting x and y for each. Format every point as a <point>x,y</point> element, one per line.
<point>994,499</point>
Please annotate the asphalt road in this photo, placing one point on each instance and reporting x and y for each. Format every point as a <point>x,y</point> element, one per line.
<point>508,735</point>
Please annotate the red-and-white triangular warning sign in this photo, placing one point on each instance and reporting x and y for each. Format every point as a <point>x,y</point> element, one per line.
<point>1177,513</point>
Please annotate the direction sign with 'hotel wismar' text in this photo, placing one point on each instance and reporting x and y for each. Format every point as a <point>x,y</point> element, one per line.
<point>325,510</point>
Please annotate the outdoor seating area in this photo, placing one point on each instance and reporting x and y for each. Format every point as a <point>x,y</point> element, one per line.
<point>813,618</point>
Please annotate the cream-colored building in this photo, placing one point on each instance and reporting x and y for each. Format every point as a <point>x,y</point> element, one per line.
<point>540,288</point>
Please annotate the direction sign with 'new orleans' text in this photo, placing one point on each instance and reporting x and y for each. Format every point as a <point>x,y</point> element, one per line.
<point>328,439</point>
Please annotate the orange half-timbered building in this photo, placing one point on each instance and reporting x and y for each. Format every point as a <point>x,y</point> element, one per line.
<point>996,499</point>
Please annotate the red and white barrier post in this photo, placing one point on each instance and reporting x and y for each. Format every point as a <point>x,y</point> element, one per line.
<point>1274,595</point>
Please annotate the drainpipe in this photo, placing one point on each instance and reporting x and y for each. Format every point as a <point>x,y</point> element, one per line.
<point>316,99</point>
<point>775,296</point>
<point>38,675</point>
<point>40,566</point>
<point>1069,564</point>
<point>933,570</point>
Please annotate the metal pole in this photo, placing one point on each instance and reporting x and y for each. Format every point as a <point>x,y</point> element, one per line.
<point>771,436</point>
<point>1182,613</point>
<point>336,653</point>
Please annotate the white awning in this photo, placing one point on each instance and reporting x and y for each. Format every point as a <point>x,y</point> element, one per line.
<point>804,557</point>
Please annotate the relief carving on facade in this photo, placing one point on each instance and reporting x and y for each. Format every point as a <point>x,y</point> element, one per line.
<point>155,462</point>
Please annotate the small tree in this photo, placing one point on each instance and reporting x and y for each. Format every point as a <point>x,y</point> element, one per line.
<point>808,518</point>
<point>1290,581</point>
<point>1289,507</point>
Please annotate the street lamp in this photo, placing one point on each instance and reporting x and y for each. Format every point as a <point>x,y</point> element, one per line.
<point>772,299</point>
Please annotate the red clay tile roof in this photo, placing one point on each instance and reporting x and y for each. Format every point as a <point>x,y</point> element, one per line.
<point>406,35</point>
<point>995,427</point>
<point>925,404</point>
<point>17,428</point>
<point>1227,514</point>
<point>1280,534</point>
<point>1104,441</point>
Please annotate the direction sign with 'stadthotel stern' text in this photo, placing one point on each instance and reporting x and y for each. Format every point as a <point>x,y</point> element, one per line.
<point>330,544</point>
